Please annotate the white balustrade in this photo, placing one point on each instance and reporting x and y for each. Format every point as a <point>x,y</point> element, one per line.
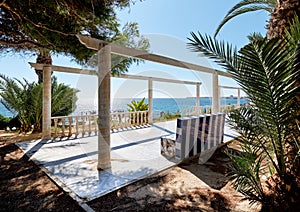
<point>83,125</point>
<point>199,110</point>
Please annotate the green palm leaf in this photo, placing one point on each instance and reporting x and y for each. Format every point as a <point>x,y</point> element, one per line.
<point>247,6</point>
<point>266,71</point>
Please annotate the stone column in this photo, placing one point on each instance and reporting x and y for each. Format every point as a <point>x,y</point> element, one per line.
<point>239,98</point>
<point>216,94</point>
<point>104,68</point>
<point>198,94</point>
<point>46,126</point>
<point>150,101</point>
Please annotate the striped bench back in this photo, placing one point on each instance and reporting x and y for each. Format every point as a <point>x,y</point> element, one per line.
<point>198,133</point>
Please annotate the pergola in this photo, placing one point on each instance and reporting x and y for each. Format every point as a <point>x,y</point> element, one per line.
<point>105,50</point>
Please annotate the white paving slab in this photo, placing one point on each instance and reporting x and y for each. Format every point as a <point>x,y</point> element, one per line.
<point>135,154</point>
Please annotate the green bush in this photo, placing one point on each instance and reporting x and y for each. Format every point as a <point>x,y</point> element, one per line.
<point>4,122</point>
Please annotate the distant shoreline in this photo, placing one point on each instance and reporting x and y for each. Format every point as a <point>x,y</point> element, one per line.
<point>167,105</point>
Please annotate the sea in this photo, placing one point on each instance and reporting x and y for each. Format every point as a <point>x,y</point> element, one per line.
<point>166,105</point>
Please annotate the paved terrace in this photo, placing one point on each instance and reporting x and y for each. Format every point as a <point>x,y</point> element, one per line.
<point>135,154</point>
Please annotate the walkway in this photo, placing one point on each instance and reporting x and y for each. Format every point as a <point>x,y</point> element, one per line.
<point>135,154</point>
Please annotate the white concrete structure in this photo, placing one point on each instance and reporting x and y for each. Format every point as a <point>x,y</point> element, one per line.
<point>135,154</point>
<point>238,92</point>
<point>105,50</point>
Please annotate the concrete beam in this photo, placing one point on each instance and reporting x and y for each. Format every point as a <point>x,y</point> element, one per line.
<point>93,43</point>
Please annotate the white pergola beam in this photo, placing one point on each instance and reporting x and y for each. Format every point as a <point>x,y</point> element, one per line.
<point>40,66</point>
<point>157,79</point>
<point>93,43</point>
<point>229,87</point>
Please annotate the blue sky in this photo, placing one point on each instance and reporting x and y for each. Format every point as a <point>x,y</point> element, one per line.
<point>167,24</point>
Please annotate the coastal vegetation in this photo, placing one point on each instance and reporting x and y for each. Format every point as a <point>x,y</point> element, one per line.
<point>25,99</point>
<point>268,169</point>
<point>4,122</point>
<point>138,105</point>
<point>168,116</point>
<point>29,27</point>
<point>135,106</point>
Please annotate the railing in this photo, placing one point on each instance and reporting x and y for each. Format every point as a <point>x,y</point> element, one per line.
<point>228,108</point>
<point>66,126</point>
<point>195,110</point>
<point>199,110</point>
<point>123,120</point>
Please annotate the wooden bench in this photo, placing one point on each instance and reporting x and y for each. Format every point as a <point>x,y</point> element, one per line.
<point>194,135</point>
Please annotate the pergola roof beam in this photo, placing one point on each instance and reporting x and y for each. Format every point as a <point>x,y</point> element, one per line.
<point>40,66</point>
<point>96,44</point>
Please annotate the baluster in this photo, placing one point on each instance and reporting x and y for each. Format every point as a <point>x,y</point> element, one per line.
<point>89,120</point>
<point>111,121</point>
<point>63,127</point>
<point>143,118</point>
<point>83,123</point>
<point>133,114</point>
<point>127,120</point>
<point>70,126</point>
<point>119,126</point>
<point>138,118</point>
<point>55,127</point>
<point>77,123</point>
<point>95,124</point>
<point>124,120</point>
<point>120,121</point>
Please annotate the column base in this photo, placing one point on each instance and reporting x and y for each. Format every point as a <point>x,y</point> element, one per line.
<point>103,167</point>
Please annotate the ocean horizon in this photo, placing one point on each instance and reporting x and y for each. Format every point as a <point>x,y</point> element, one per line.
<point>166,105</point>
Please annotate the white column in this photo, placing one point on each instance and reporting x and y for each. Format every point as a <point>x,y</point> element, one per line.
<point>239,98</point>
<point>46,126</point>
<point>150,101</point>
<point>216,94</point>
<point>104,68</point>
<point>198,94</point>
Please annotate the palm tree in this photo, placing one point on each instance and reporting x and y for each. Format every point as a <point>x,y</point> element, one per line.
<point>25,99</point>
<point>281,12</point>
<point>246,6</point>
<point>268,170</point>
<point>282,16</point>
<point>137,105</point>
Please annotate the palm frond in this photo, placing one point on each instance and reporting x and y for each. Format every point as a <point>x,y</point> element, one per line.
<point>221,52</point>
<point>247,6</point>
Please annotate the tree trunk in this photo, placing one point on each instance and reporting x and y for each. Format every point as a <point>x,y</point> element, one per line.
<point>44,57</point>
<point>281,17</point>
<point>279,22</point>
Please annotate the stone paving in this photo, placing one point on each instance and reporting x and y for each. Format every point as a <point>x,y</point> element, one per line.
<point>135,154</point>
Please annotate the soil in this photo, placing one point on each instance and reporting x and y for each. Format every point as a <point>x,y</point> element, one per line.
<point>187,187</point>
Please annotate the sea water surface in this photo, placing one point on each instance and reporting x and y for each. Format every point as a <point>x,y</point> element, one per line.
<point>167,105</point>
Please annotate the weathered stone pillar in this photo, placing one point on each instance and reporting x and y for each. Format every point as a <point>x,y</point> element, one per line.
<point>150,101</point>
<point>198,94</point>
<point>216,94</point>
<point>104,68</point>
<point>239,98</point>
<point>46,126</point>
